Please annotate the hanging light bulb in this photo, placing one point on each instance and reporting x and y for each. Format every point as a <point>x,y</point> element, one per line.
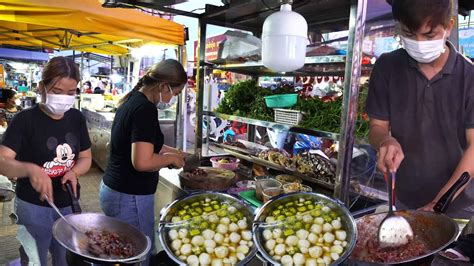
<point>284,39</point>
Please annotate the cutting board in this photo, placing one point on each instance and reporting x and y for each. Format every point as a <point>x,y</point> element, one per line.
<point>251,197</point>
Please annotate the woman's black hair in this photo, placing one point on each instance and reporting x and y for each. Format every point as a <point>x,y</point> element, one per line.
<point>168,70</point>
<point>6,94</point>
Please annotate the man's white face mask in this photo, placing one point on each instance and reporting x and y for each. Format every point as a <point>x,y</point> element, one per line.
<point>424,51</point>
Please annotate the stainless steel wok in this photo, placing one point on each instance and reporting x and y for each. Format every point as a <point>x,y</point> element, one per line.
<point>77,242</point>
<point>434,229</point>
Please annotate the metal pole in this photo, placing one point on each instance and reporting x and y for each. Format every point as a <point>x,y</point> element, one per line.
<point>200,83</point>
<point>454,37</point>
<point>351,95</point>
<point>180,134</point>
<point>82,76</point>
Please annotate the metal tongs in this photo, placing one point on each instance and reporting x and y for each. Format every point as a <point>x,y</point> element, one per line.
<point>75,208</point>
<point>394,231</point>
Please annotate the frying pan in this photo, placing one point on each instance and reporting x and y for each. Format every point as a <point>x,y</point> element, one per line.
<point>434,229</point>
<point>77,243</point>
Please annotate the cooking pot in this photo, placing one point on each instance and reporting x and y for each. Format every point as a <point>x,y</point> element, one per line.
<point>259,224</point>
<point>433,229</point>
<point>77,243</point>
<point>171,210</point>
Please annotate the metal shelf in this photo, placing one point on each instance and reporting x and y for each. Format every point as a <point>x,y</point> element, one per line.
<point>273,125</point>
<point>314,65</point>
<point>270,165</point>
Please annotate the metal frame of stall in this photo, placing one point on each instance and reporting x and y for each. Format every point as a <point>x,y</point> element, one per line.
<point>352,74</point>
<point>350,95</point>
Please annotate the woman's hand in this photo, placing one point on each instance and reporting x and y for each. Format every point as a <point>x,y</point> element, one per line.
<point>390,155</point>
<point>177,160</point>
<point>70,176</point>
<point>40,181</point>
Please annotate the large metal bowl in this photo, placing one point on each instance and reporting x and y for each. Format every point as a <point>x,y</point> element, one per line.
<point>165,224</point>
<point>348,222</point>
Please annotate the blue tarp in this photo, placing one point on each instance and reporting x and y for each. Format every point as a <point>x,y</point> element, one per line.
<point>12,54</point>
<point>466,41</point>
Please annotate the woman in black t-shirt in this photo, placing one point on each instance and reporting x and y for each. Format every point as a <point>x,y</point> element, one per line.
<point>48,143</point>
<point>137,152</point>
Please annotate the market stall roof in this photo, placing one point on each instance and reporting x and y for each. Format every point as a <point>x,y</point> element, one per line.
<point>322,15</point>
<point>82,25</point>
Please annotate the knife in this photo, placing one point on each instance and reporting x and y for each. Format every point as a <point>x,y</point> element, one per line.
<point>191,162</point>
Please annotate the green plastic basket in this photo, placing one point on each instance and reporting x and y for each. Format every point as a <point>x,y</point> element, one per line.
<point>281,100</point>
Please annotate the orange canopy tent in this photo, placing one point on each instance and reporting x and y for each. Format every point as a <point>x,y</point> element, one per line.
<point>82,25</point>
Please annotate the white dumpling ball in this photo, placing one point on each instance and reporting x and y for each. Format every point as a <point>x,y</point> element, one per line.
<point>233,227</point>
<point>173,234</point>
<point>218,238</point>
<point>242,224</point>
<point>234,237</point>
<point>291,241</point>
<point>176,244</point>
<point>186,249</point>
<point>246,235</point>
<point>192,260</point>
<point>307,218</point>
<point>217,262</point>
<point>243,249</point>
<point>312,238</point>
<point>302,234</point>
<point>208,234</point>
<point>336,224</point>
<point>341,235</point>
<point>270,244</point>
<point>183,233</point>
<point>277,233</point>
<point>267,234</point>
<point>204,259</point>
<point>222,229</point>
<point>225,220</point>
<point>221,252</point>
<point>303,243</point>
<point>209,243</point>
<point>286,260</point>
<point>299,259</point>
<point>197,240</point>
<point>280,249</point>
<point>311,262</point>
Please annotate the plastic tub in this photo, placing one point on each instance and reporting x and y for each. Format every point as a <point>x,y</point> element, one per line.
<point>281,100</point>
<point>296,187</point>
<point>232,164</point>
<point>270,192</point>
<point>263,183</point>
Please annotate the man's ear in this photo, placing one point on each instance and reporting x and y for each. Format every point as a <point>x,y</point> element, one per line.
<point>451,24</point>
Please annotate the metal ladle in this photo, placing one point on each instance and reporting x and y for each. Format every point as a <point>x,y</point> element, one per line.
<point>77,229</point>
<point>394,231</point>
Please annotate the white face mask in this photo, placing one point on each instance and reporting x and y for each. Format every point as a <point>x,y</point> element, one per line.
<point>424,51</point>
<point>162,106</point>
<point>58,104</point>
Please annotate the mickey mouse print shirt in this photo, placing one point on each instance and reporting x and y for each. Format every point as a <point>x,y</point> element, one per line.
<point>52,144</point>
